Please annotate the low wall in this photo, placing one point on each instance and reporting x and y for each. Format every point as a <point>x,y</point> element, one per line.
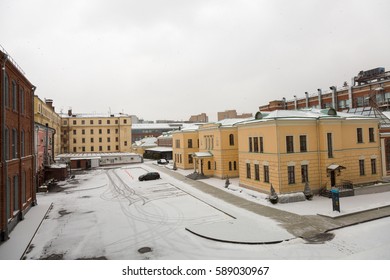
<point>383,187</point>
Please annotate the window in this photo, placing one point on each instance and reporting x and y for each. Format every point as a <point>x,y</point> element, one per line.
<point>92,149</point>
<point>16,193</point>
<point>74,132</point>
<point>82,140</point>
<point>14,143</point>
<point>190,159</point>
<point>100,148</point>
<point>6,90</point>
<point>74,149</point>
<point>108,148</point>
<point>100,131</point>
<point>257,172</point>
<point>261,145</point>
<point>22,105</point>
<point>74,140</point>
<point>91,131</point>
<point>74,122</point>
<point>250,145</point>
<point>100,121</point>
<point>90,121</point>
<point>359,134</point>
<point>108,139</point>
<point>125,121</point>
<point>22,143</point>
<point>266,173</point>
<point>303,143</point>
<point>116,131</point>
<point>330,145</point>
<point>209,165</point>
<point>82,121</point>
<point>231,140</point>
<point>304,173</point>
<point>190,143</point>
<point>361,167</point>
<point>92,139</point>
<point>14,97</point>
<point>83,149</point>
<point>290,144</point>
<point>125,143</point>
<point>248,170</point>
<point>100,139</point>
<point>177,143</point>
<point>291,174</point>
<point>108,121</point>
<point>255,144</point>
<point>230,165</point>
<point>373,166</point>
<point>371,134</point>
<point>83,131</point>
<point>235,165</point>
<point>108,131</point>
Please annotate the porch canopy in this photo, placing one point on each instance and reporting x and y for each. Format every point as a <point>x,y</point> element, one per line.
<point>334,167</point>
<point>202,154</point>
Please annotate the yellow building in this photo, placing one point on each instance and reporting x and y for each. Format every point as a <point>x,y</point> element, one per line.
<point>44,114</point>
<point>324,148</point>
<point>96,133</point>
<point>211,149</point>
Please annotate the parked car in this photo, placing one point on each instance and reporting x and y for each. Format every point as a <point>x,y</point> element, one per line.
<point>163,161</point>
<point>149,176</point>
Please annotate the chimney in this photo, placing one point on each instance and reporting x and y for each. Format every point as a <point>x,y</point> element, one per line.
<point>295,102</point>
<point>49,102</point>
<point>284,103</point>
<point>307,99</point>
<point>319,98</point>
<point>334,100</point>
<point>70,112</point>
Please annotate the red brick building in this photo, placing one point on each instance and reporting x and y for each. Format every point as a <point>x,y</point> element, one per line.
<point>17,188</point>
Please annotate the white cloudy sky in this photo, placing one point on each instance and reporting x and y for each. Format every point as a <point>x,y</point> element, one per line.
<point>171,59</point>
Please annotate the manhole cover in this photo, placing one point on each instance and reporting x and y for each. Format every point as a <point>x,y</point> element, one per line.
<point>144,250</point>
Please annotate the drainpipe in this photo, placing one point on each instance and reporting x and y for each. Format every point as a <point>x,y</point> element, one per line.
<point>4,233</point>
<point>295,102</point>
<point>319,98</point>
<point>307,99</point>
<point>334,97</point>
<point>34,183</point>
<point>46,159</point>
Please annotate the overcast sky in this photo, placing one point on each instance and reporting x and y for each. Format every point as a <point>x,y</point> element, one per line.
<point>172,59</point>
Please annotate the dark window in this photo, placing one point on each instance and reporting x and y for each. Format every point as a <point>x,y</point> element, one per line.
<point>108,139</point>
<point>100,148</point>
<point>359,134</point>
<point>371,134</point>
<point>14,143</point>
<point>190,159</point>
<point>304,173</point>
<point>248,170</point>
<point>91,131</point>
<point>261,145</point>
<point>82,140</point>
<point>257,172</point>
<point>74,122</point>
<point>190,143</point>
<point>92,149</point>
<point>231,140</point>
<point>74,140</point>
<point>92,139</point>
<point>290,144</point>
<point>373,166</point>
<point>100,140</point>
<point>22,105</point>
<point>22,144</point>
<point>230,165</point>
<point>108,121</point>
<point>91,122</point>
<point>100,121</point>
<point>74,132</point>
<point>177,142</point>
<point>235,165</point>
<point>209,165</point>
<point>83,149</point>
<point>250,145</point>
<point>83,131</point>
<point>266,173</point>
<point>330,145</point>
<point>83,122</point>
<point>108,148</point>
<point>108,131</point>
<point>291,174</point>
<point>256,144</point>
<point>303,143</point>
<point>100,131</point>
<point>14,97</point>
<point>361,167</point>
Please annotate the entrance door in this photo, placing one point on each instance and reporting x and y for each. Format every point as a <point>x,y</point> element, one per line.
<point>332,178</point>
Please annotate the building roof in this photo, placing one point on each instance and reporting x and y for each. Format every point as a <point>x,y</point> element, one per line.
<point>93,155</point>
<point>94,115</point>
<point>160,149</point>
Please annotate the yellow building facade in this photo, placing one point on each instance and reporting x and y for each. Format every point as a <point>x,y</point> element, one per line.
<point>286,149</point>
<point>96,133</point>
<point>44,114</point>
<point>321,148</point>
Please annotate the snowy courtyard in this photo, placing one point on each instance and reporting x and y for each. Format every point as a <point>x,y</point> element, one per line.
<point>109,214</point>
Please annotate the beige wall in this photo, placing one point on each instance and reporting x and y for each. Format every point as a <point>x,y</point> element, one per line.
<point>45,114</point>
<point>96,134</point>
<point>181,152</point>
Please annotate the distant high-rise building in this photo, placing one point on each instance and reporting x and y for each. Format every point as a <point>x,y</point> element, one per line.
<point>232,114</point>
<point>201,118</point>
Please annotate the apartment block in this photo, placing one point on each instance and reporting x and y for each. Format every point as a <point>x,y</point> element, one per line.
<point>95,133</point>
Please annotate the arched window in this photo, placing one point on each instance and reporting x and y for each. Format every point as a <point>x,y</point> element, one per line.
<point>231,140</point>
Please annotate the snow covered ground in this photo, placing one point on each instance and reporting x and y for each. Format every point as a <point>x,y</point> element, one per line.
<point>109,214</point>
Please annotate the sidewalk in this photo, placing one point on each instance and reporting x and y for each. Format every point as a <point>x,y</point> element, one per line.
<point>23,233</point>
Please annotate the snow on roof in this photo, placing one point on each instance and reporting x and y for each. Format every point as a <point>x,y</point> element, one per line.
<point>94,115</point>
<point>232,122</point>
<point>151,126</point>
<point>93,155</point>
<point>160,149</point>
